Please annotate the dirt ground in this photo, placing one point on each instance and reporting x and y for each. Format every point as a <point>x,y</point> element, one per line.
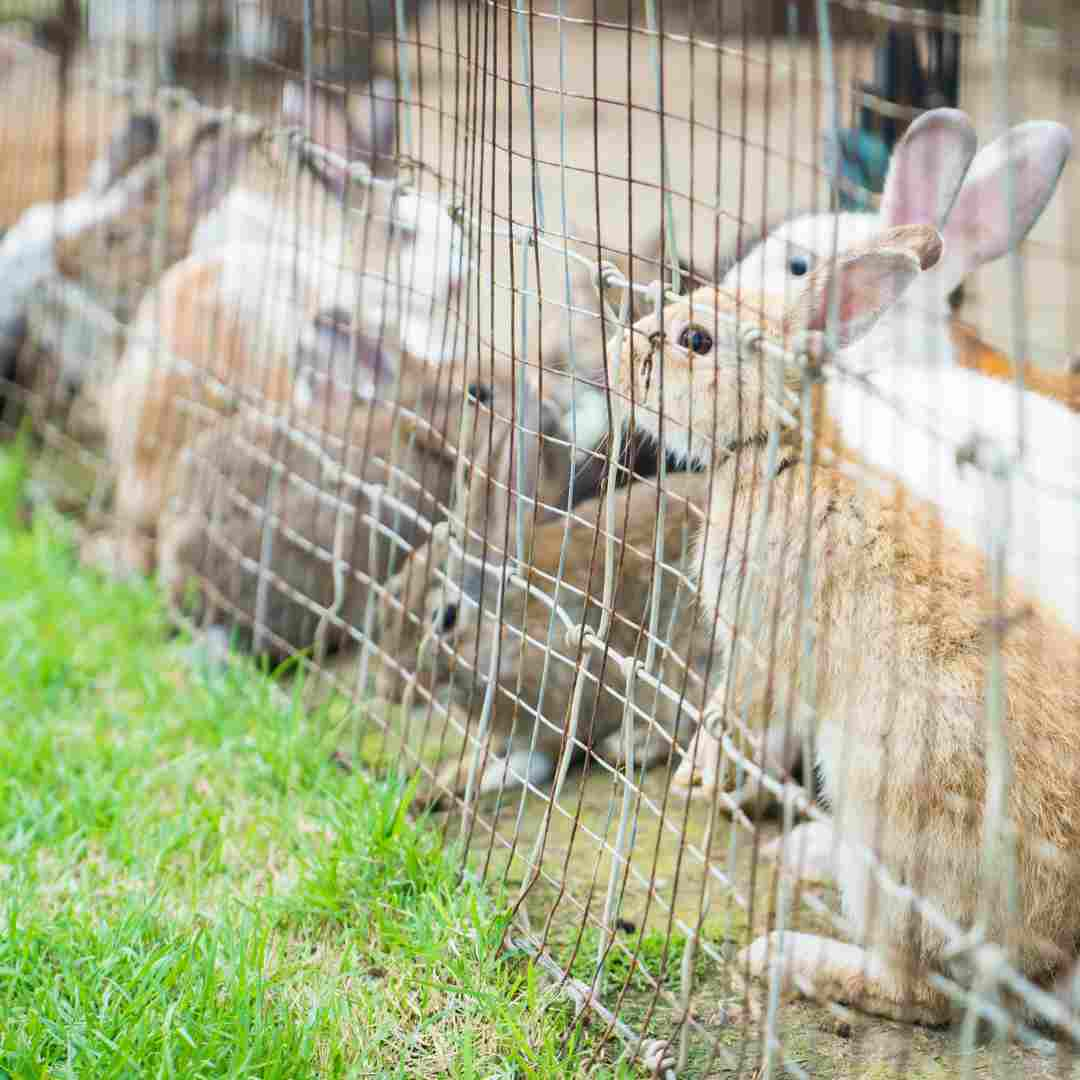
<point>660,888</point>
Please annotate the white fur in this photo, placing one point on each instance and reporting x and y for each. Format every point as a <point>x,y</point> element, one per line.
<point>1044,533</point>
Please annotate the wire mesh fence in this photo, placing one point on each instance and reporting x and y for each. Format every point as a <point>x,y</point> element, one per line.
<point>721,598</point>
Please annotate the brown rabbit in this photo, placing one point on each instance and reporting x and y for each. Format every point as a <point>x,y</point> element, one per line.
<point>349,505</point>
<point>899,611</point>
<point>454,616</point>
<point>502,416</point>
<point>103,248</point>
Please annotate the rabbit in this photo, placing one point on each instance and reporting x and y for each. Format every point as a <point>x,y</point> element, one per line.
<point>909,358</point>
<point>976,355</point>
<point>897,607</point>
<point>485,510</point>
<point>214,529</point>
<point>441,628</point>
<point>314,219</point>
<point>104,239</point>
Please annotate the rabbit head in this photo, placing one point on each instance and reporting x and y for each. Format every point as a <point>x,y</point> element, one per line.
<point>416,252</point>
<point>690,383</point>
<point>469,645</point>
<point>984,204</point>
<point>183,163</point>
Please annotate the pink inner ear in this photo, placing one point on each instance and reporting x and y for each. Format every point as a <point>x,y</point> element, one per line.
<point>984,226</point>
<point>865,286</point>
<point>927,169</point>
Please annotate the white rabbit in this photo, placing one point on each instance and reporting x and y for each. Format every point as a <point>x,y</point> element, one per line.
<point>935,178</point>
<point>910,357</point>
<point>896,609</point>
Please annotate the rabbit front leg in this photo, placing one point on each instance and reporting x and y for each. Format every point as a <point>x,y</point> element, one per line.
<point>702,772</point>
<point>822,969</point>
<point>807,853</point>
<point>826,970</point>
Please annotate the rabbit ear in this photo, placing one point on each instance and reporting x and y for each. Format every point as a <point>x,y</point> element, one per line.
<point>218,151</point>
<point>359,126</point>
<point>325,121</point>
<point>499,497</point>
<point>133,143</point>
<point>865,283</point>
<point>927,169</point>
<point>373,124</point>
<point>988,218</point>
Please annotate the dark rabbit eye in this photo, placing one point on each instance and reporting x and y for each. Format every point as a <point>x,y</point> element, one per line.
<point>696,340</point>
<point>447,618</point>
<point>480,392</point>
<point>799,265</point>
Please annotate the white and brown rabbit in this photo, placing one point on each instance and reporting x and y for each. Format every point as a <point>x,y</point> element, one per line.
<point>440,626</point>
<point>890,652</point>
<point>936,178</point>
<point>74,272</point>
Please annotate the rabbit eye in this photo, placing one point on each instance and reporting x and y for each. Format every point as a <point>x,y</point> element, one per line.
<point>799,265</point>
<point>480,392</point>
<point>446,619</point>
<point>696,340</point>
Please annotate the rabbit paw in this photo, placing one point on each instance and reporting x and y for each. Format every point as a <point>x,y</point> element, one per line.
<point>806,852</point>
<point>700,771</point>
<point>118,555</point>
<point>657,1056</point>
<point>649,749</point>
<point>826,970</point>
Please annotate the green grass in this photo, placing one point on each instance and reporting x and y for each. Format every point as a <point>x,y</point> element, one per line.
<point>190,888</point>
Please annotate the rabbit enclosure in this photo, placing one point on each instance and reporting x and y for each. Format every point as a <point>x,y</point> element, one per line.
<point>337,323</point>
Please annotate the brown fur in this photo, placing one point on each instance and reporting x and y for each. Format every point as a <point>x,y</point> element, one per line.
<point>121,258</point>
<point>216,519</point>
<point>459,658</point>
<point>199,368</point>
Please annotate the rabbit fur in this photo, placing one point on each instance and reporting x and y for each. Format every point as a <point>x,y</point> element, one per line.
<point>225,328</point>
<point>102,235</point>
<point>898,606</point>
